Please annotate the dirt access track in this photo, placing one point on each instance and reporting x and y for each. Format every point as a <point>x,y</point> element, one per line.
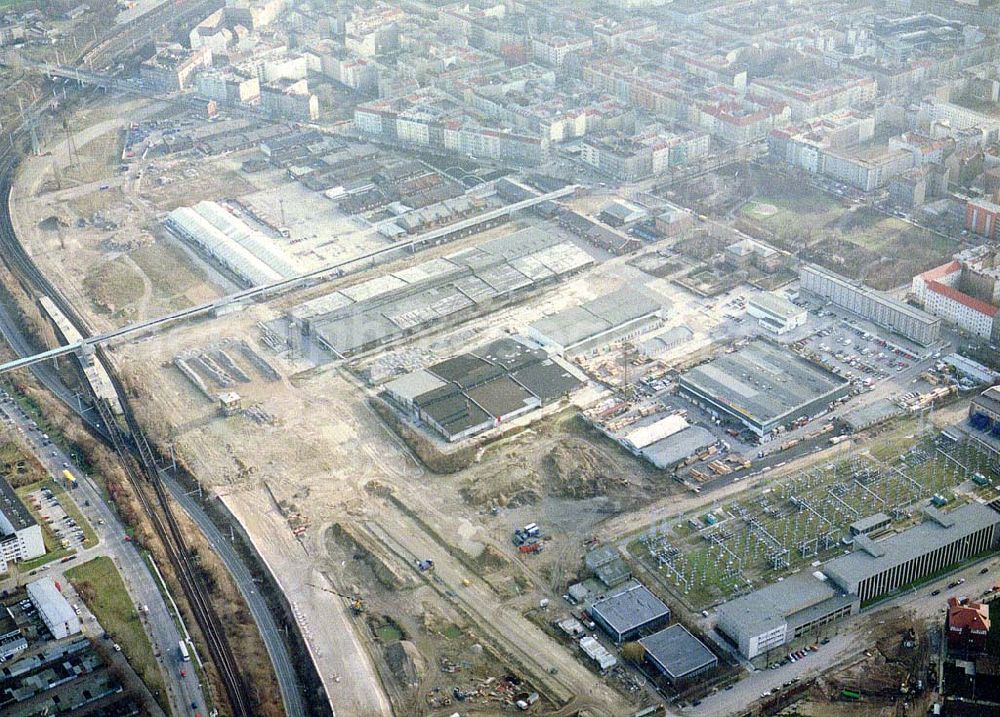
<point>318,462</point>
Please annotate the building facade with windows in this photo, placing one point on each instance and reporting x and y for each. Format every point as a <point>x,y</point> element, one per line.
<point>877,568</point>
<point>912,323</point>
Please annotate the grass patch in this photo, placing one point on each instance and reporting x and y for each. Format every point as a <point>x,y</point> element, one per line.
<point>100,586</point>
<point>168,269</point>
<point>113,285</point>
<point>18,466</point>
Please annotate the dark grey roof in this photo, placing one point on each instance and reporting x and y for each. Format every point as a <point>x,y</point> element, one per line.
<point>630,609</point>
<point>678,652</point>
<point>465,370</point>
<point>510,354</point>
<point>12,507</point>
<point>501,396</point>
<point>547,380</point>
<point>762,381</point>
<point>453,412</point>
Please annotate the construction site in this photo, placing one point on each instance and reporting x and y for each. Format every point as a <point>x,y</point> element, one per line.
<point>893,677</point>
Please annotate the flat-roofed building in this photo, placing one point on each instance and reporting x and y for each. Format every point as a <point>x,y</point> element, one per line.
<point>57,614</point>
<point>916,325</point>
<point>763,386</point>
<point>871,524</point>
<point>12,643</point>
<point>473,392</point>
<point>629,612</point>
<point>877,568</point>
<point>987,405</point>
<point>775,615</point>
<point>20,534</point>
<point>592,326</point>
<point>776,313</point>
<point>678,654</point>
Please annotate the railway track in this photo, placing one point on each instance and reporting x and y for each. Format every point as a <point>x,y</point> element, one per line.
<point>160,514</point>
<point>145,27</point>
<point>135,456</point>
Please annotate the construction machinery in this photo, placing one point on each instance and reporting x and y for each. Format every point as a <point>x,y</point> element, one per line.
<point>356,603</point>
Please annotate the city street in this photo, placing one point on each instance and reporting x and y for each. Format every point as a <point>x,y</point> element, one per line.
<point>184,691</point>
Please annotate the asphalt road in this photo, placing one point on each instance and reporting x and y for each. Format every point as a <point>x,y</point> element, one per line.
<point>280,657</point>
<point>183,691</point>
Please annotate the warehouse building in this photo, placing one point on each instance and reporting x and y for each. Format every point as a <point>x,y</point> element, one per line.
<point>663,441</point>
<point>776,313</point>
<point>380,310</point>
<point>57,614</point>
<point>20,534</point>
<point>629,612</point>
<point>668,340</point>
<point>775,615</point>
<point>473,392</point>
<point>587,329</point>
<point>871,414</point>
<point>678,654</point>
<point>763,386</point>
<point>877,568</point>
<point>912,323</point>
<point>253,258</point>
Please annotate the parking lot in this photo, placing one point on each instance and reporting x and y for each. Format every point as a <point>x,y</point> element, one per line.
<point>63,526</point>
<point>851,351</point>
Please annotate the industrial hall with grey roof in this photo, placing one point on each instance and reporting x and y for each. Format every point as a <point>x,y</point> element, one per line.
<point>763,386</point>
<point>473,392</point>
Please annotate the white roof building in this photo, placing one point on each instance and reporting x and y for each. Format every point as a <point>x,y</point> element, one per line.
<point>57,614</point>
<point>244,251</point>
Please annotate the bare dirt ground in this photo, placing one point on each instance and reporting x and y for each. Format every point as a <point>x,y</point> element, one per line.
<point>327,459</point>
<point>886,675</point>
<point>331,497</point>
<point>91,231</point>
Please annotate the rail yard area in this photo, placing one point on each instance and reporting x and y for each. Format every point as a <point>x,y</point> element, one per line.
<point>477,359</point>
<point>336,424</point>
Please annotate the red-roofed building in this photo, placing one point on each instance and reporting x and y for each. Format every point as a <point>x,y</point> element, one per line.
<point>938,291</point>
<point>968,626</point>
<point>947,274</point>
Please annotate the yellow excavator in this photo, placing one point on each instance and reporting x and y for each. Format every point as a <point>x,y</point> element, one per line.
<point>356,603</point>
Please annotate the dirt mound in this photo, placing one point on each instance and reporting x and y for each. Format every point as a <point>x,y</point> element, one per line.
<point>576,469</point>
<point>516,485</point>
<point>491,560</point>
<point>52,223</point>
<point>406,662</point>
